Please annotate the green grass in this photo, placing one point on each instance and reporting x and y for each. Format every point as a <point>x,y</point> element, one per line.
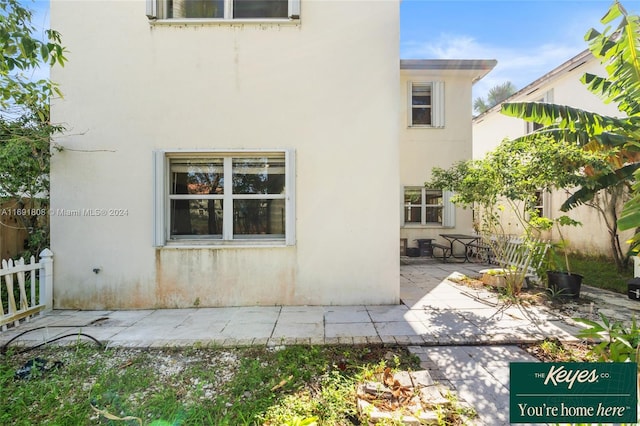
<point>193,386</point>
<point>600,272</point>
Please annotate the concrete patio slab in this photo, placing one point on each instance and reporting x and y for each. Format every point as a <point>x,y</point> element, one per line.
<point>401,328</point>
<point>349,329</point>
<point>298,330</point>
<point>302,315</point>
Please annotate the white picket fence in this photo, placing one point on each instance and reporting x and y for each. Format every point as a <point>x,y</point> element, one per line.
<point>26,289</point>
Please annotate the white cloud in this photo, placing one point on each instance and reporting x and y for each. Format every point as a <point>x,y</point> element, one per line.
<point>520,65</point>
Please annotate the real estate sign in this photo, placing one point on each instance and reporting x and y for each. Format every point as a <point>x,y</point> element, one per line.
<point>573,392</point>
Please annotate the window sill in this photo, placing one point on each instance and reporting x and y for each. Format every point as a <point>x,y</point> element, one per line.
<point>191,244</point>
<point>212,22</point>
<point>423,126</point>
<point>428,225</point>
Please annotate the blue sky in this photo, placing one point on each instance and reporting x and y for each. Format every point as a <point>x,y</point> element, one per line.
<point>527,38</point>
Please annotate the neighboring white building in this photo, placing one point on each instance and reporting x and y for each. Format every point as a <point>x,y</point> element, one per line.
<point>560,86</point>
<point>228,154</point>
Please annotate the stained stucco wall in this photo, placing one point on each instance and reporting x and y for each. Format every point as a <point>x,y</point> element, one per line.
<point>325,88</point>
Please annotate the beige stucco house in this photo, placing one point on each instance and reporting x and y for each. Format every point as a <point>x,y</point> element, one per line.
<point>244,153</point>
<point>443,140</point>
<point>560,86</point>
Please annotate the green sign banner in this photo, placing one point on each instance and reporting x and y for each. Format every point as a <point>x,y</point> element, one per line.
<point>573,392</point>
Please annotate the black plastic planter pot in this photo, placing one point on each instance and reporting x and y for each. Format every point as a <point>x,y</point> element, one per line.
<point>566,285</point>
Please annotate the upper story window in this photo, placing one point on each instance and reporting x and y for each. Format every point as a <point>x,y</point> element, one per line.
<point>224,9</point>
<point>426,104</point>
<point>531,126</point>
<point>222,197</point>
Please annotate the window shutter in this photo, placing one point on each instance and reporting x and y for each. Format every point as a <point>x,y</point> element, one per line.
<point>546,204</point>
<point>159,179</point>
<point>449,210</point>
<point>294,9</point>
<point>152,9</point>
<point>438,103</point>
<point>290,202</point>
<point>548,97</point>
<point>409,104</point>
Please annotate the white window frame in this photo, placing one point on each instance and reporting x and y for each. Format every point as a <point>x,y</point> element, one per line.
<point>161,216</point>
<point>448,209</point>
<point>530,126</point>
<point>437,104</point>
<point>157,10</point>
<point>543,206</point>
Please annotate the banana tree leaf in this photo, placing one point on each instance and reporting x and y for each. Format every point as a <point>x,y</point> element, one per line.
<point>563,117</point>
<point>629,219</point>
<point>586,194</point>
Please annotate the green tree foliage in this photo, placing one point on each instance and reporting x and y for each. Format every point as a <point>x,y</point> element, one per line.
<point>515,170</point>
<point>616,138</point>
<point>510,176</point>
<point>22,53</point>
<point>25,129</point>
<point>496,95</point>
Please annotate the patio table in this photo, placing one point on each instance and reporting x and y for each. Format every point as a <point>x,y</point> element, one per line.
<point>462,239</point>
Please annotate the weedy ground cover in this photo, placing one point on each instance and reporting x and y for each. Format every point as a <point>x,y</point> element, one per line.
<point>196,386</point>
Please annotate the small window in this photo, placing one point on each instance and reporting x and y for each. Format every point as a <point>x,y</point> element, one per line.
<point>533,127</point>
<point>222,197</point>
<point>538,203</point>
<point>421,104</point>
<point>426,105</point>
<point>424,206</point>
<point>223,9</point>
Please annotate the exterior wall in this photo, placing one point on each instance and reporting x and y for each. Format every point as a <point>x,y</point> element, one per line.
<point>491,128</point>
<point>324,88</point>
<point>421,149</point>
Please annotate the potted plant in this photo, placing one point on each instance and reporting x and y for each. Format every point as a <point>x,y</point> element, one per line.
<point>562,282</point>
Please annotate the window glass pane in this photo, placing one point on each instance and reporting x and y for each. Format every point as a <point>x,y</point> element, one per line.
<point>421,116</point>
<point>258,217</point>
<point>197,176</point>
<point>421,95</point>
<point>195,8</point>
<point>412,214</point>
<point>412,205</point>
<point>260,8</point>
<point>412,196</point>
<point>434,214</point>
<point>434,197</point>
<point>196,217</point>
<point>258,175</point>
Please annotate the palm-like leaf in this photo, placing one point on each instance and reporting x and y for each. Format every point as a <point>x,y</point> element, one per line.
<point>571,124</point>
<point>586,193</point>
<point>620,52</point>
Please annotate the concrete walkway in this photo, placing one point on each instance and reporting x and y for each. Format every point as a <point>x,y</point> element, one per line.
<point>465,337</point>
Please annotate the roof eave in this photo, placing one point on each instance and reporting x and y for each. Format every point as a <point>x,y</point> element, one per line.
<point>477,67</point>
